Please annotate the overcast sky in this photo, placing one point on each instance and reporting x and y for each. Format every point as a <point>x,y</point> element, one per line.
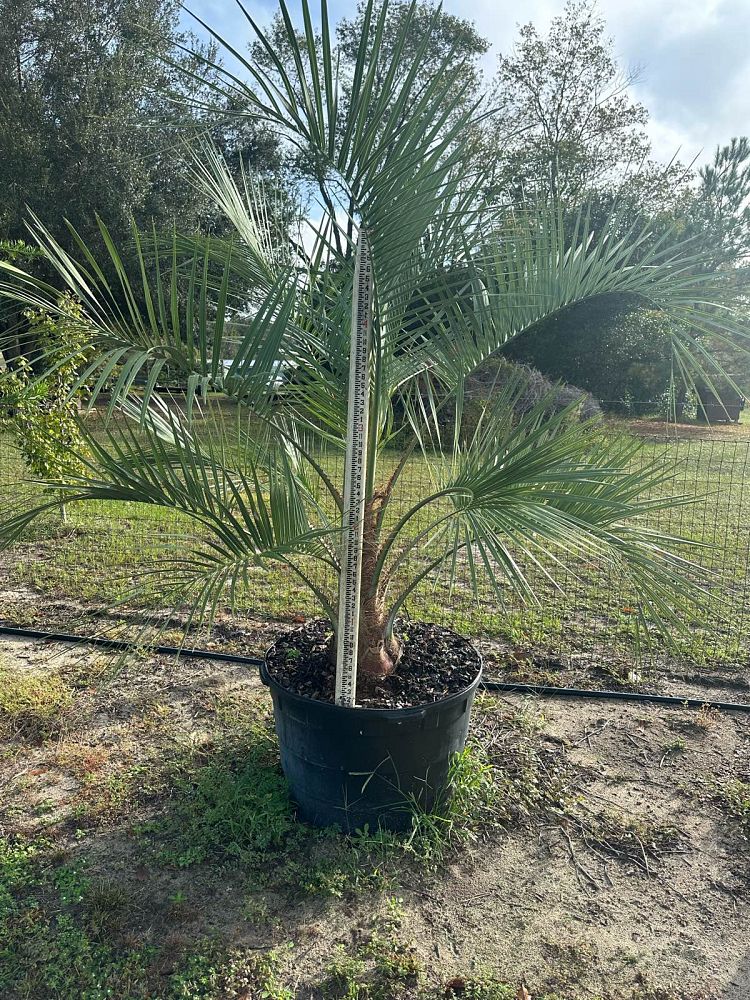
<point>693,56</point>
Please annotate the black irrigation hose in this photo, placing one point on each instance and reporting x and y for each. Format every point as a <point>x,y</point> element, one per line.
<point>659,699</point>
<point>253,661</point>
<point>118,644</point>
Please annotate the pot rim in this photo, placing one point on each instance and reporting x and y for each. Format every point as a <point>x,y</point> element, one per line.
<point>369,712</point>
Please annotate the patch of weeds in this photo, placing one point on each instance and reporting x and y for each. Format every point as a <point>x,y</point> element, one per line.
<point>16,871</point>
<point>46,953</point>
<point>70,883</point>
<point>480,988</point>
<point>82,760</point>
<point>230,804</point>
<point>65,937</point>
<point>44,807</point>
<point>734,797</point>
<point>234,805</point>
<point>469,808</point>
<point>256,911</point>
<point>346,978</point>
<point>706,718</point>
<point>526,717</point>
<point>112,785</point>
<point>629,839</point>
<point>104,798</point>
<point>472,804</point>
<point>523,666</point>
<point>530,777</point>
<point>33,705</point>
<point>155,717</point>
<point>382,968</point>
<point>503,776</point>
<point>106,906</point>
<point>212,973</point>
<point>85,671</point>
<point>329,863</point>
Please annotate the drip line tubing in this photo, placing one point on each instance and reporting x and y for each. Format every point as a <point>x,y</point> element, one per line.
<point>543,690</point>
<point>125,646</point>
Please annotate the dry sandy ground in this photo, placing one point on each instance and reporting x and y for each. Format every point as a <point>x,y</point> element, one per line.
<point>576,898</point>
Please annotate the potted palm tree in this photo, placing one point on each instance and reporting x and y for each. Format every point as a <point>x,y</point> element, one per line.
<point>408,279</point>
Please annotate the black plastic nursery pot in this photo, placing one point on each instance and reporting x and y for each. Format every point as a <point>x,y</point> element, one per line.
<point>357,767</point>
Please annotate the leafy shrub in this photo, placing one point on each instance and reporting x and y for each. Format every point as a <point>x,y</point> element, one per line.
<point>44,412</point>
<point>495,375</point>
<point>496,372</point>
<point>620,352</point>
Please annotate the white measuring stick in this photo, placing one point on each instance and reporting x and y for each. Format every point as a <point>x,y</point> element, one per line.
<point>350,580</point>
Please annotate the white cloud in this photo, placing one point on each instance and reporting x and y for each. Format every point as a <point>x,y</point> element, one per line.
<point>693,56</point>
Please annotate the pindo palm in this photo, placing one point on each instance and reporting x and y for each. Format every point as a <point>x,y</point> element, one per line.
<point>457,275</point>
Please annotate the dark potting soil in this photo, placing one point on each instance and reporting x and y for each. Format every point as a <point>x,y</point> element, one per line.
<point>436,662</point>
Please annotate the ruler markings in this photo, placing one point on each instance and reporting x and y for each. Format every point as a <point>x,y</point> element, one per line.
<point>354,476</point>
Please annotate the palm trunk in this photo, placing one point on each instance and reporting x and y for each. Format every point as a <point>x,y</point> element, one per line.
<point>377,656</point>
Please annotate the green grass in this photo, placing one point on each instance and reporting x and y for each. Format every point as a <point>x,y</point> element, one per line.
<point>53,943</point>
<point>63,936</point>
<point>68,932</point>
<point>33,704</point>
<point>180,844</point>
<point>103,549</point>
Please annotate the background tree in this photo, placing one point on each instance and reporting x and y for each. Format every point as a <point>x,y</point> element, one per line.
<point>720,208</point>
<point>614,347</point>
<point>565,121</point>
<point>409,29</point>
<point>586,143</point>
<point>432,32</point>
<point>96,104</point>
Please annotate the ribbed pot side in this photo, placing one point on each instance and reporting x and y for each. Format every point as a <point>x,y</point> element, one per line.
<point>357,767</point>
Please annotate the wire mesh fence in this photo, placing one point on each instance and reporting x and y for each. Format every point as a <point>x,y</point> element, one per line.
<point>65,571</point>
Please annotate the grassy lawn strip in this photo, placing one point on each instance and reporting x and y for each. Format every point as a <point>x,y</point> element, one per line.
<point>100,554</point>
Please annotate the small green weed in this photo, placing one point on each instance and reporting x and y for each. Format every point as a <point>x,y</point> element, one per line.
<point>472,803</point>
<point>16,871</point>
<point>71,883</point>
<point>734,796</point>
<point>479,988</point>
<point>675,746</point>
<point>383,968</point>
<point>345,978</point>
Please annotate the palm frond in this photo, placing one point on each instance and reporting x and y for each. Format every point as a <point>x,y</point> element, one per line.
<point>526,496</point>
